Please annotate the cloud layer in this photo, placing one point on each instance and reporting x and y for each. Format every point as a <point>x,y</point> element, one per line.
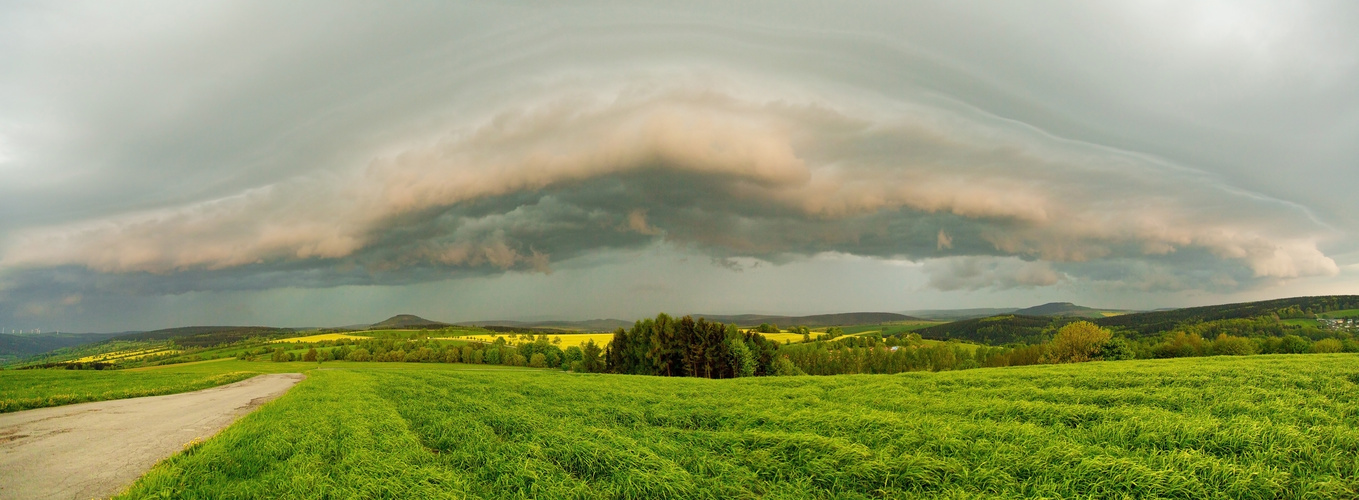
<point>177,155</point>
<point>715,169</point>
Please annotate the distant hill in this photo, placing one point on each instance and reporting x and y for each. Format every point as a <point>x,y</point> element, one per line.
<point>590,325</point>
<point>203,336</point>
<point>1011,328</point>
<point>960,314</point>
<point>13,347</point>
<point>608,325</point>
<point>814,321</point>
<point>408,322</point>
<point>1155,322</point>
<point>1063,309</point>
<point>998,330</point>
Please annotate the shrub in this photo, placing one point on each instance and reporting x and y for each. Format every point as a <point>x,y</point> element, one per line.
<point>783,367</point>
<point>1328,345</point>
<point>1227,345</point>
<point>1077,342</point>
<point>310,355</point>
<point>359,354</point>
<point>1293,344</point>
<point>538,360</point>
<point>1114,349</point>
<point>1180,345</point>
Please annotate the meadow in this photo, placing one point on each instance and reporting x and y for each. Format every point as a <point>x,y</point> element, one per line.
<point>1276,426</point>
<point>890,329</point>
<point>28,389</point>
<point>1345,313</point>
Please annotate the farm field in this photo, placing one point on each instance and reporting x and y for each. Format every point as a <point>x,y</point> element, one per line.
<point>1276,426</point>
<point>568,339</point>
<point>1345,313</point>
<point>1300,322</point>
<point>27,389</point>
<point>602,339</point>
<point>889,329</point>
<point>127,355</point>
<point>319,338</point>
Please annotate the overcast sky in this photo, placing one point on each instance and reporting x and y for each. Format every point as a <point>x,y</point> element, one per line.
<point>306,164</point>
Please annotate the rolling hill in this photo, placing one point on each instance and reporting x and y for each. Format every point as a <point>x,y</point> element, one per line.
<point>589,325</point>
<point>814,321</point>
<point>407,322</point>
<point>203,336</point>
<point>1064,309</point>
<point>608,325</point>
<point>1031,328</point>
<point>13,347</point>
<point>1155,322</point>
<point>960,314</point>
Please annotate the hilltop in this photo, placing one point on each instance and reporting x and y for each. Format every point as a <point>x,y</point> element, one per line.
<point>1065,309</point>
<point>407,322</point>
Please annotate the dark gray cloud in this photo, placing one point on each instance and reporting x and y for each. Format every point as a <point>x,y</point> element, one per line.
<point>245,148</point>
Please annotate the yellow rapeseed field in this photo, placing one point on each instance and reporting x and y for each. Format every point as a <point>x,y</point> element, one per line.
<point>321,338</point>
<point>567,340</point>
<point>126,355</point>
<point>791,338</point>
<point>579,339</point>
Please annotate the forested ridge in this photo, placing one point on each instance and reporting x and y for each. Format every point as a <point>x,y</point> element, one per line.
<point>1242,319</point>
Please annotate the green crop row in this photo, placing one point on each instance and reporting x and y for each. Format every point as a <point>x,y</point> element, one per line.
<point>1276,426</point>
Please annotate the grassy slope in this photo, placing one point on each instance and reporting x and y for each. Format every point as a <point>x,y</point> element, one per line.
<point>27,389</point>
<point>1251,427</point>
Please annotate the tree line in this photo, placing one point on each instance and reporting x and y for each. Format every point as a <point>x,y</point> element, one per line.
<point>531,351</point>
<point>686,347</point>
<point>1074,342</point>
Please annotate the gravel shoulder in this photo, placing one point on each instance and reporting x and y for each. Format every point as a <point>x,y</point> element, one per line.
<point>94,450</point>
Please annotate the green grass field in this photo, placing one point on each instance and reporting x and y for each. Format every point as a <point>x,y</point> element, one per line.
<point>1300,322</point>
<point>1346,313</point>
<point>1223,427</point>
<point>890,329</point>
<point>27,389</point>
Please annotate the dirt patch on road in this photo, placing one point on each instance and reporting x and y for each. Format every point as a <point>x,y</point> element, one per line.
<point>94,450</point>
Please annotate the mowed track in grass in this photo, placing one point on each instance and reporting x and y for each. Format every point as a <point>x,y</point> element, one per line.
<point>1228,427</point>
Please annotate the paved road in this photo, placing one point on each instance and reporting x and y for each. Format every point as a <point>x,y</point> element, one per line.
<point>95,450</point>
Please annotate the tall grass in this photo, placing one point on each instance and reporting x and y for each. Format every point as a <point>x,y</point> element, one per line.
<point>1241,427</point>
<point>28,389</point>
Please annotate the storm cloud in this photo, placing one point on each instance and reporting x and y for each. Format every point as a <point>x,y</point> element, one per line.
<point>399,147</point>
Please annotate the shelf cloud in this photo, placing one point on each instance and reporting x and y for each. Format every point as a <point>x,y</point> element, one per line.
<point>352,158</point>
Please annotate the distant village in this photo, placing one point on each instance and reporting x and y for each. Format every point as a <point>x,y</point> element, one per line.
<point>1345,323</point>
